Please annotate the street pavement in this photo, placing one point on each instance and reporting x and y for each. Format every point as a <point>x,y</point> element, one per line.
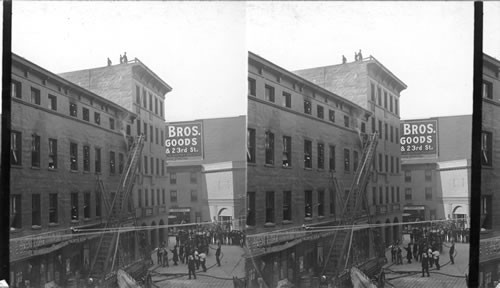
<point>449,276</point>
<point>232,264</point>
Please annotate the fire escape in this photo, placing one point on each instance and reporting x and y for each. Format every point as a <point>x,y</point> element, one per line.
<point>352,211</point>
<point>105,259</point>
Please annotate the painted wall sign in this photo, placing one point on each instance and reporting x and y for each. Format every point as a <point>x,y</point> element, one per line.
<point>184,141</point>
<point>419,137</point>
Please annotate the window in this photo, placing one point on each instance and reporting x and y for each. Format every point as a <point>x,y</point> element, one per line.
<point>111,123</point>
<point>98,201</point>
<point>86,158</point>
<point>287,151</point>
<point>387,194</point>
<point>346,121</point>
<point>251,87</point>
<point>396,106</point>
<point>269,207</point>
<point>250,208</point>
<point>269,148</point>
<point>152,197</point>
<point>15,87</point>
<point>144,98</point>
<point>287,205</point>
<point>379,129</point>
<point>428,193</point>
<point>392,134</point>
<point>72,110</point>
<point>321,201</point>
<point>157,166</point>
<point>407,176</point>
<point>347,160</point>
<point>486,212</point>
<point>380,163</point>
<point>15,148</point>
<point>150,102</point>
<point>139,197</point>
<point>251,145</point>
<point>331,115</point>
<point>173,178</point>
<point>173,196</point>
<point>307,107</point>
<point>145,132</point>
<point>269,93</point>
<point>138,127</point>
<point>408,194</point>
<point>363,127</point>
<point>390,103</point>
<point>120,163</point>
<point>162,167</point>
<point>161,109</point>
<point>157,136</point>
<point>307,154</point>
<point>73,152</point>
<point>392,164</point>
<point>193,177</point>
<point>35,210</point>
<point>386,132</point>
<point>74,206</point>
<point>157,196</point>
<point>152,166</point>
<point>35,151</point>
<point>397,165</point>
<point>385,99</point>
<point>320,111</point>
<point>355,160</point>
<point>374,195</point>
<point>374,128</point>
<point>308,212</point>
<point>137,95</point>
<point>97,160</point>
<point>52,154</point>
<point>146,198</point>
<point>332,202</point>
<point>386,164</point>
<point>487,89</point>
<point>35,96</point>
<point>428,175</point>
<point>15,212</point>
<point>486,149</point>
<point>151,134</point>
<point>372,92</point>
<point>145,164</point>
<point>85,113</point>
<point>53,217</point>
<point>397,136</point>
<point>381,195</point>
<point>393,196</point>
<point>379,94</point>
<point>52,102</point>
<point>331,158</point>
<point>86,205</point>
<point>161,140</point>
<point>321,156</point>
<point>156,105</point>
<point>398,199</point>
<point>287,100</point>
<point>111,162</point>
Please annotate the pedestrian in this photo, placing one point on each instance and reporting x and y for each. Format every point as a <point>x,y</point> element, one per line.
<point>196,258</point>
<point>452,252</point>
<point>159,256</point>
<point>399,255</point>
<point>190,262</point>
<point>435,255</point>
<point>415,251</point>
<point>217,255</point>
<point>165,257</point>
<point>203,259</point>
<point>393,253</point>
<point>181,253</point>
<point>429,257</point>
<point>408,253</point>
<point>175,255</point>
<point>425,264</point>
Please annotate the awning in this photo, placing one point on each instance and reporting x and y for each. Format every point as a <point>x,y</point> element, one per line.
<point>414,208</point>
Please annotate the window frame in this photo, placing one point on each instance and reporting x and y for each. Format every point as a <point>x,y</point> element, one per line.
<point>287,205</point>
<point>35,151</point>
<point>287,99</point>
<point>269,94</point>
<point>53,209</point>
<point>270,216</point>
<point>52,102</point>
<point>308,154</point>
<point>73,152</point>
<point>35,96</point>
<point>269,148</point>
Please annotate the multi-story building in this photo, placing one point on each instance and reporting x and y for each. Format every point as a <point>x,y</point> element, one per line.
<point>63,138</point>
<point>489,256</point>
<point>135,87</point>
<point>317,133</point>
<point>211,187</point>
<point>436,170</point>
<point>372,86</point>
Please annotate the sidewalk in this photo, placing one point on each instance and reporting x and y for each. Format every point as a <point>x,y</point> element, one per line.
<point>232,264</point>
<point>410,275</point>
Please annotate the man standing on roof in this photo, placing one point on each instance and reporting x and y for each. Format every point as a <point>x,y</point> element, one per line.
<point>125,61</point>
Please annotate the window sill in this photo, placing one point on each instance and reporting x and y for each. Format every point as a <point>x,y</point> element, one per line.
<point>321,217</point>
<point>73,171</point>
<point>35,168</point>
<point>86,219</point>
<point>16,230</point>
<point>269,165</point>
<point>36,227</point>
<point>53,224</point>
<point>16,166</point>
<point>251,163</point>
<point>75,221</point>
<point>308,219</point>
<point>287,222</point>
<point>307,169</point>
<point>287,167</point>
<point>269,224</point>
<point>86,172</point>
<point>52,169</point>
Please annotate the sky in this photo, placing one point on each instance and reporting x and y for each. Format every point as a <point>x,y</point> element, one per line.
<point>194,47</point>
<point>429,45</point>
<point>491,28</point>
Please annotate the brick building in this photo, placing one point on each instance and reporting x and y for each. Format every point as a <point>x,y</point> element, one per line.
<point>211,188</point>
<point>135,87</point>
<point>63,139</point>
<point>437,183</point>
<point>316,130</point>
<point>489,256</point>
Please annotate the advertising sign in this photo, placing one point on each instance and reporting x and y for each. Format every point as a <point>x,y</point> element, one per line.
<point>419,137</point>
<point>184,141</point>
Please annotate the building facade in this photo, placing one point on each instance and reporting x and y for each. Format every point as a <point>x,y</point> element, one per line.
<point>54,172</point>
<point>318,136</point>
<point>489,256</point>
<point>212,187</point>
<point>138,89</point>
<point>437,179</point>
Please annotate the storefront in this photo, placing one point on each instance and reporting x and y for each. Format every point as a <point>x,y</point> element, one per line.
<point>179,216</point>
